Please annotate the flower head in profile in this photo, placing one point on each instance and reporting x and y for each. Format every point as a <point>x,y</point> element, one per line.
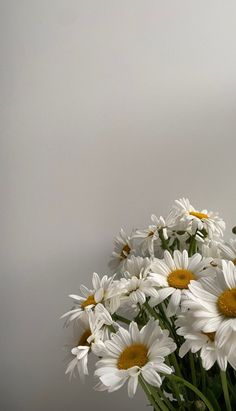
<point>173,275</point>
<point>212,302</point>
<point>137,266</point>
<point>196,220</point>
<point>196,340</point>
<point>80,345</point>
<point>150,237</point>
<point>228,250</point>
<point>100,293</point>
<point>133,353</point>
<point>123,249</point>
<point>90,328</point>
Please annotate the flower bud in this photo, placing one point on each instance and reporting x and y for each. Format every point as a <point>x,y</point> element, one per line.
<point>200,405</point>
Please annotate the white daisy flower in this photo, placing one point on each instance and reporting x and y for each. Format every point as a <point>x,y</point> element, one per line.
<point>80,346</point>
<point>135,290</point>
<point>199,341</point>
<point>228,250</point>
<point>199,220</point>
<point>151,235</point>
<point>132,353</point>
<point>136,266</point>
<point>89,329</point>
<point>211,248</point>
<point>122,250</point>
<point>173,276</point>
<point>91,297</point>
<point>213,305</point>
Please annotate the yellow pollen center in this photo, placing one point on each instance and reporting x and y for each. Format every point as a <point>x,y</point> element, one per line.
<point>198,215</point>
<point>125,250</point>
<point>134,355</point>
<point>211,336</point>
<point>89,301</point>
<point>227,303</point>
<point>180,278</point>
<point>83,339</point>
<point>234,261</point>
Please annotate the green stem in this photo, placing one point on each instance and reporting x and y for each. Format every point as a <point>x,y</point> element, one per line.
<point>175,364</point>
<point>174,385</point>
<point>225,390</point>
<point>112,328</point>
<point>153,313</point>
<point>203,375</point>
<point>192,367</point>
<point>194,389</point>
<point>192,246</point>
<point>165,399</point>
<point>124,320</point>
<point>155,391</point>
<point>155,401</point>
<point>164,242</point>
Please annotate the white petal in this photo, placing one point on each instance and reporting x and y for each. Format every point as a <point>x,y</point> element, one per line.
<point>132,386</point>
<point>174,303</point>
<point>151,376</point>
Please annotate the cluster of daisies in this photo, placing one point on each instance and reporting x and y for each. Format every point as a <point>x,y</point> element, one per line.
<point>165,319</point>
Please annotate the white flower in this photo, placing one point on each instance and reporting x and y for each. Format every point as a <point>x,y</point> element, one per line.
<point>150,238</point>
<point>150,235</point>
<point>212,302</point>
<point>199,220</point>
<point>80,346</point>
<point>89,329</point>
<point>134,287</point>
<point>123,248</point>
<point>135,290</point>
<point>136,266</point>
<point>211,248</point>
<point>132,353</point>
<point>228,250</point>
<point>199,341</point>
<point>91,297</point>
<point>173,276</point>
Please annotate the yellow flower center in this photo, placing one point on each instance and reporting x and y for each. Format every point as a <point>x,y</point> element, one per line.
<point>180,278</point>
<point>83,339</point>
<point>198,215</point>
<point>89,301</point>
<point>211,336</point>
<point>134,355</point>
<point>151,233</point>
<point>227,303</point>
<point>234,261</point>
<point>125,250</point>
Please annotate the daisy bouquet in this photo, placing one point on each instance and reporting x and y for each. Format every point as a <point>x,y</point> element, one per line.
<point>165,317</point>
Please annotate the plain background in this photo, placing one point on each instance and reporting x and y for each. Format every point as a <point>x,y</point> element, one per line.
<point>109,111</point>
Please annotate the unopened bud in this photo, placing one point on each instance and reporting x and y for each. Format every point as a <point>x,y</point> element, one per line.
<point>199,405</point>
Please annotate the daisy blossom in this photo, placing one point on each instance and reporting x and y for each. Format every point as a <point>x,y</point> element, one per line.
<point>173,276</point>
<point>228,250</point>
<point>212,302</point>
<point>136,266</point>
<point>80,345</point>
<point>134,352</point>
<point>149,236</point>
<point>199,341</point>
<point>89,328</point>
<point>135,290</point>
<point>91,297</point>
<point>199,220</point>
<point>123,248</point>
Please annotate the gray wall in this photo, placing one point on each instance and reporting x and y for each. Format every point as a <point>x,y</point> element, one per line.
<point>109,111</point>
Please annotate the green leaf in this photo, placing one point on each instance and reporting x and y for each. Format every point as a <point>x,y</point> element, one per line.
<point>213,400</point>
